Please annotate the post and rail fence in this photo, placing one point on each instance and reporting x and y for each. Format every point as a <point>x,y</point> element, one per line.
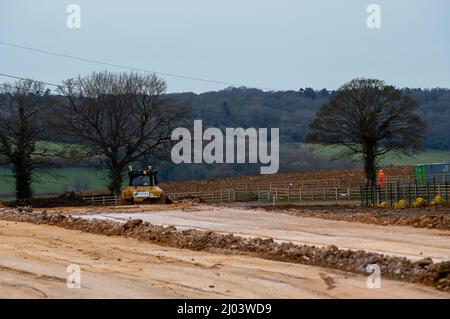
<point>395,189</point>
<point>283,194</point>
<point>102,199</point>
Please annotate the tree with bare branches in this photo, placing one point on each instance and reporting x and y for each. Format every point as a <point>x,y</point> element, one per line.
<point>368,118</point>
<point>122,117</point>
<point>23,123</point>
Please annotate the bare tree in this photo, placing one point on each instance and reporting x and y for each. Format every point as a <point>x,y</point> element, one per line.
<point>23,122</point>
<point>122,117</point>
<point>370,119</point>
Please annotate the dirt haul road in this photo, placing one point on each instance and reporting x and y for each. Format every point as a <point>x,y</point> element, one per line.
<point>34,259</point>
<point>413,243</point>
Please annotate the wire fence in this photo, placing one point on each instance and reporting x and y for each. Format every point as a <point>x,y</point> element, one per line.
<point>391,194</point>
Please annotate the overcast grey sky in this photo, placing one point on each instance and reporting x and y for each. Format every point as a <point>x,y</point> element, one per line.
<point>268,44</point>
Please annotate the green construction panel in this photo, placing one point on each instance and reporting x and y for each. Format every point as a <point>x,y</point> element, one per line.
<point>416,173</point>
<point>424,174</point>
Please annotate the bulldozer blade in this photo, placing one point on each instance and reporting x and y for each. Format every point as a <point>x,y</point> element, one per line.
<point>163,200</point>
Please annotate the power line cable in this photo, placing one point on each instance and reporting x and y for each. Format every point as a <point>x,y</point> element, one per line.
<point>22,78</point>
<point>185,77</point>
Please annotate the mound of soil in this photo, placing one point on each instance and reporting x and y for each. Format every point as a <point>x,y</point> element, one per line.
<point>65,199</point>
<point>190,199</point>
<point>430,217</point>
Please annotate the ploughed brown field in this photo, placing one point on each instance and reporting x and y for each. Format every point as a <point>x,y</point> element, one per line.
<point>338,177</point>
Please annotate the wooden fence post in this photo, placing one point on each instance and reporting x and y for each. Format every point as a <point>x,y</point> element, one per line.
<point>300,194</point>
<point>446,193</point>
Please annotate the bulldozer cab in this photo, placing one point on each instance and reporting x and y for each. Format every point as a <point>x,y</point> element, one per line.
<point>142,178</point>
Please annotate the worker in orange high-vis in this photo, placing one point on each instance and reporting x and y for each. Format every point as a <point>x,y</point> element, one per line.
<point>381,178</point>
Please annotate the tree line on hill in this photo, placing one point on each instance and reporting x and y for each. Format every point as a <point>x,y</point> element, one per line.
<point>292,111</point>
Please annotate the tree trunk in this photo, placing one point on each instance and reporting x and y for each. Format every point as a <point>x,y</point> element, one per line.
<point>116,180</point>
<point>22,176</point>
<point>369,168</point>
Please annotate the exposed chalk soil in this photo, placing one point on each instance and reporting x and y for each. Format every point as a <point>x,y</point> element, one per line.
<point>424,271</point>
<point>34,260</point>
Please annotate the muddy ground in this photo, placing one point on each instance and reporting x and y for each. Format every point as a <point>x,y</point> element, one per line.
<point>409,242</point>
<point>424,271</point>
<point>304,239</point>
<point>437,217</point>
<point>62,200</point>
<point>34,258</point>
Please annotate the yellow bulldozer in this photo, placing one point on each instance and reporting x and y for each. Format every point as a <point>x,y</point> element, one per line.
<point>142,188</point>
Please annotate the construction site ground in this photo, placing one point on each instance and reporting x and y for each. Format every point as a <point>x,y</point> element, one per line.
<point>33,258</point>
<point>413,243</point>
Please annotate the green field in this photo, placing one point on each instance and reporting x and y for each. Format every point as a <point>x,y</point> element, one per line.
<point>63,180</point>
<point>429,156</point>
<point>59,180</point>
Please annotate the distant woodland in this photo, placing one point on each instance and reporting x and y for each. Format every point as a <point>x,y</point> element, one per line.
<point>292,111</point>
